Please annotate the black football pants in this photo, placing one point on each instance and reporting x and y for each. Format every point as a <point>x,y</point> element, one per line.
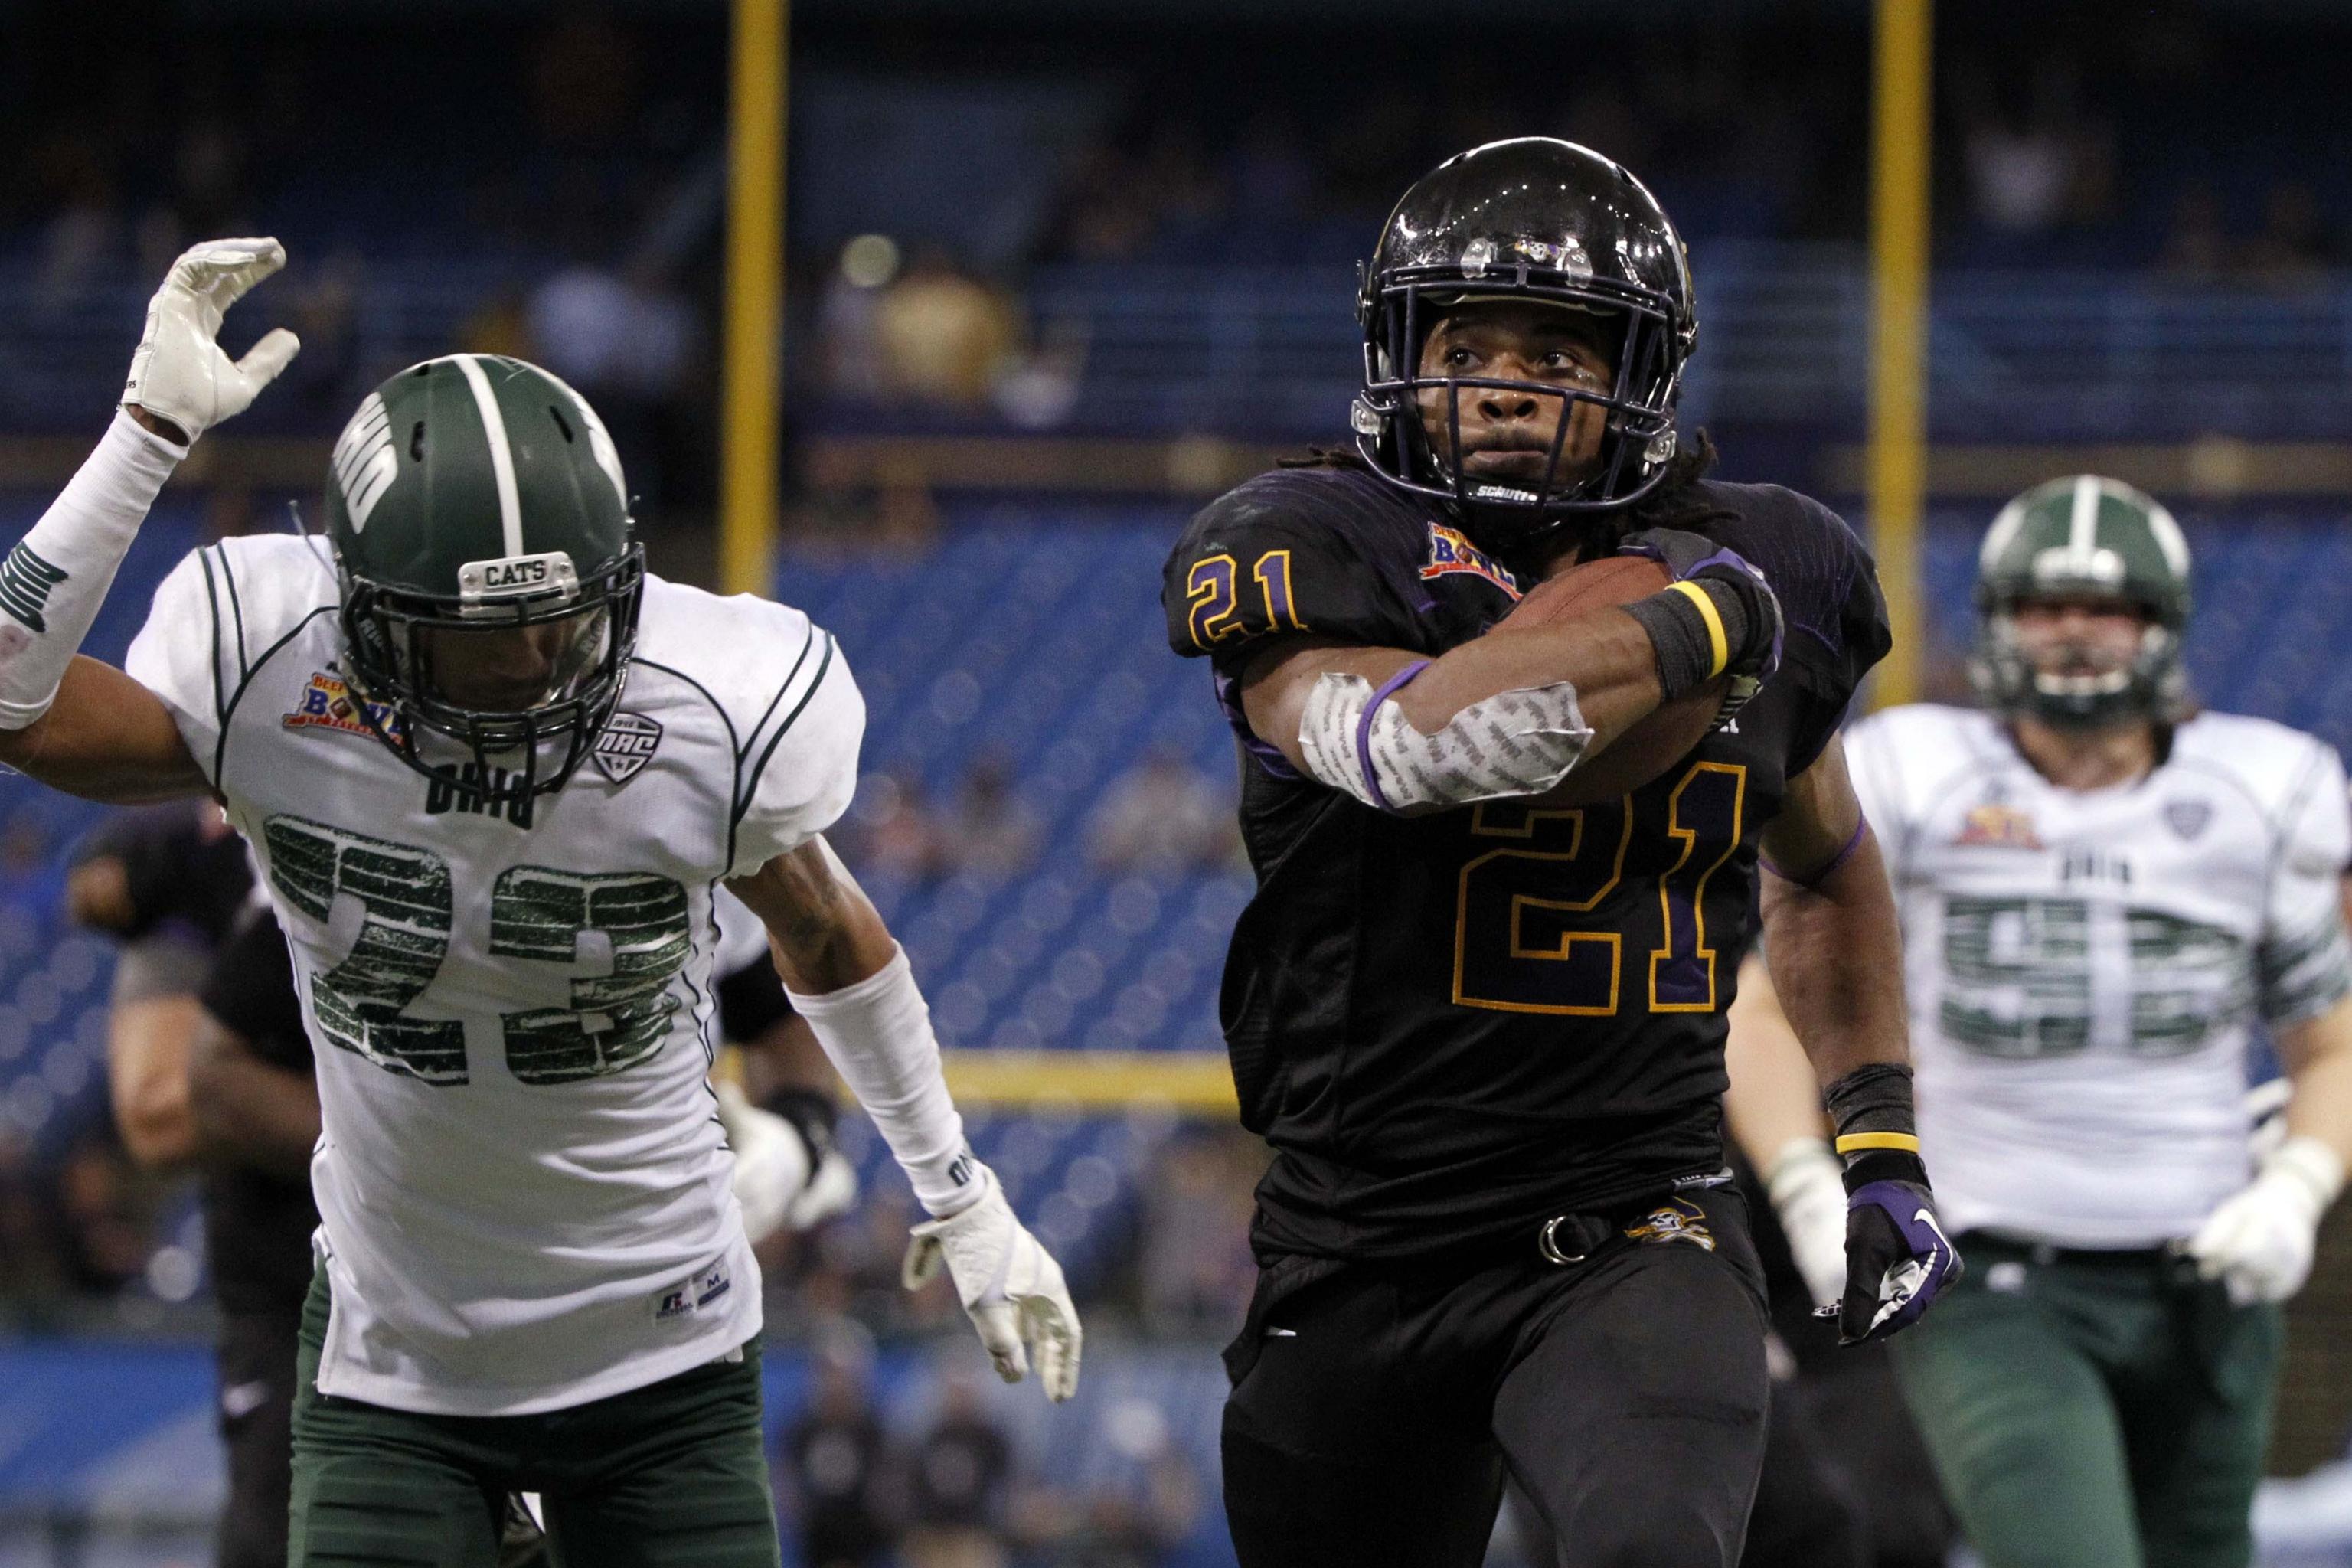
<point>1375,1407</point>
<point>255,1357</point>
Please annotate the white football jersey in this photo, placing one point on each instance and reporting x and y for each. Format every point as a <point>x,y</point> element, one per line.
<point>2084,967</point>
<point>523,1187</point>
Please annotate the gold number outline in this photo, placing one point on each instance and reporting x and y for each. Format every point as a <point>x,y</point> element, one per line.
<point>1689,835</point>
<point>1521,902</point>
<point>1275,614</point>
<point>1202,590</point>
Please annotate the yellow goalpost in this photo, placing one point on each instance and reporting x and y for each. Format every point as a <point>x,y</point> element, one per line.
<point>1902,99</point>
<point>752,369</point>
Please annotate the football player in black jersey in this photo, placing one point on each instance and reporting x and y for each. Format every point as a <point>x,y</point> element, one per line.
<point>1476,1006</point>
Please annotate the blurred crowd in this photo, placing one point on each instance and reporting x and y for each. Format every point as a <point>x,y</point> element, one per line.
<point>949,1494</point>
<point>1164,817</point>
<point>577,220</point>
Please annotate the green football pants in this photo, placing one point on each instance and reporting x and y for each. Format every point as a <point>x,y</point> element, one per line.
<point>673,1475</point>
<point>2090,1410</point>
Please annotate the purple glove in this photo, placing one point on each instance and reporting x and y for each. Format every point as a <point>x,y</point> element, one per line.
<point>1897,1259</point>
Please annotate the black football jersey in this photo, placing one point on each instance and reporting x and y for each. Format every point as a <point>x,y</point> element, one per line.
<point>1453,1025</point>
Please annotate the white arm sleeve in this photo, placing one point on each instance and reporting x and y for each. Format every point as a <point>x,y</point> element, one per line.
<point>2301,963</point>
<point>54,581</point>
<point>877,1034</point>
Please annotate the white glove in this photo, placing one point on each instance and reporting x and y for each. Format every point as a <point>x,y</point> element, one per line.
<point>2260,1240</point>
<point>1807,1184</point>
<point>776,1184</point>
<point>1011,1286</point>
<point>180,373</point>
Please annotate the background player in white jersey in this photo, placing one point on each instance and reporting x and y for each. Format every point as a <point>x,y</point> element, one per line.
<point>2103,891</point>
<point>493,774</point>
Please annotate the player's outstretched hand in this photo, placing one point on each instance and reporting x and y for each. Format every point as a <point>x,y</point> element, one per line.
<point>1011,1286</point>
<point>2259,1241</point>
<point>180,375</point>
<point>1897,1259</point>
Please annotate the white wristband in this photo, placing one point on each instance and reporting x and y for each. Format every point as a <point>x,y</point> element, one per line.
<point>877,1034</point>
<point>52,583</point>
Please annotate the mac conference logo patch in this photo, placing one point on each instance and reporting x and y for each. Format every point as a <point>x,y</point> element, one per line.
<point>626,746</point>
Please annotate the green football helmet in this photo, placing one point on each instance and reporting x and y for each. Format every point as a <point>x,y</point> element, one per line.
<point>2083,537</point>
<point>490,584</point>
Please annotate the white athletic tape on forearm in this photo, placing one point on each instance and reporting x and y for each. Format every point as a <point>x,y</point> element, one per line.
<point>52,583</point>
<point>1522,743</point>
<point>877,1034</point>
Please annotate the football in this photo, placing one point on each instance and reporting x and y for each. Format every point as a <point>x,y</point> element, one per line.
<point>1665,736</point>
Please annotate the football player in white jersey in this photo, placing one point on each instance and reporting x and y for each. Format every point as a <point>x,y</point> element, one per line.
<point>2104,890</point>
<point>494,774</point>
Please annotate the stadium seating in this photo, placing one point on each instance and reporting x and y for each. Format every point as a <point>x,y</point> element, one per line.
<point>1271,351</point>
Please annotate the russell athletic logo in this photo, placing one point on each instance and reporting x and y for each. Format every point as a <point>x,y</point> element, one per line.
<point>1451,553</point>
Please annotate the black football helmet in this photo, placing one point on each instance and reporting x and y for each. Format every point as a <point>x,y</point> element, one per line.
<point>1541,219</point>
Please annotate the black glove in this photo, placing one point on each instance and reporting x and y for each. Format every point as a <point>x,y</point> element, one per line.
<point>1743,637</point>
<point>1897,1257</point>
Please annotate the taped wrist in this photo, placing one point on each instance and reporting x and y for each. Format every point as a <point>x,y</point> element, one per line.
<point>1695,626</point>
<point>52,583</point>
<point>1357,738</point>
<point>1877,1129</point>
<point>878,1035</point>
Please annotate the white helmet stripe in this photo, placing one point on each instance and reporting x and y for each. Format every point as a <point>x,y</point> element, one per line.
<point>2083,526</point>
<point>494,431</point>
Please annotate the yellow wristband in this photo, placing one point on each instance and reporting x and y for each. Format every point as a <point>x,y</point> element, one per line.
<point>1857,1142</point>
<point>1717,644</point>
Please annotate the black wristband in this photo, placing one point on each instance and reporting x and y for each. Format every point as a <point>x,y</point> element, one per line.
<point>1877,1129</point>
<point>1690,650</point>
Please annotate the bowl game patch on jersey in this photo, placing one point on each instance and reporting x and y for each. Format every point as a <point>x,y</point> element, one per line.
<point>626,745</point>
<point>326,704</point>
<point>1451,552</point>
<point>2002,826</point>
